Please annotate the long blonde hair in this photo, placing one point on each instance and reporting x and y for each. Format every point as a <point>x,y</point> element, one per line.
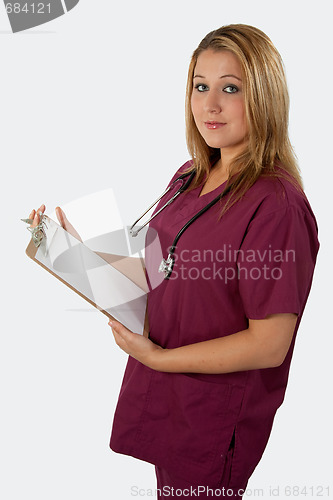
<point>267,112</point>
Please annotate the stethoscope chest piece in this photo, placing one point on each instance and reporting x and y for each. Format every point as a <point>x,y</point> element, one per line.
<point>166,266</point>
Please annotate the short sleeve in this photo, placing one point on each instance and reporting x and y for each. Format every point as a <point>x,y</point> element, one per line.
<point>276,262</point>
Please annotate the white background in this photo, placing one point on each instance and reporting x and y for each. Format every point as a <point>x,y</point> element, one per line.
<point>93,100</point>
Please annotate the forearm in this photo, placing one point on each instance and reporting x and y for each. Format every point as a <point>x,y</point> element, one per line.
<point>131,267</point>
<point>264,344</point>
<point>223,355</point>
<point>250,349</point>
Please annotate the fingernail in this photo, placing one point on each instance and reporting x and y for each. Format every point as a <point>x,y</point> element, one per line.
<point>110,323</point>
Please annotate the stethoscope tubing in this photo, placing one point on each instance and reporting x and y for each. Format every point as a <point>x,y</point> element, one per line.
<point>196,216</point>
<point>168,263</point>
<point>182,188</point>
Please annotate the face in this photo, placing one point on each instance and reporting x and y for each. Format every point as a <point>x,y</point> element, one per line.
<point>217,101</point>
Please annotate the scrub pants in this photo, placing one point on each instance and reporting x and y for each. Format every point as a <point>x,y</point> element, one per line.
<point>170,487</point>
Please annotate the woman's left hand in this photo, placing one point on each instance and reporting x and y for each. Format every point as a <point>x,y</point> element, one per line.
<point>136,345</point>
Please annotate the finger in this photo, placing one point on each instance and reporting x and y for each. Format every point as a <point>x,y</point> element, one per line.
<point>32,216</point>
<point>119,340</point>
<point>115,326</point>
<point>61,216</point>
<point>41,209</point>
<point>119,328</point>
<point>121,335</point>
<point>35,215</point>
<point>117,336</point>
<point>35,221</point>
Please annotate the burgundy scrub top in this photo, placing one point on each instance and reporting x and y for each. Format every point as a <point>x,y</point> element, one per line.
<point>258,259</point>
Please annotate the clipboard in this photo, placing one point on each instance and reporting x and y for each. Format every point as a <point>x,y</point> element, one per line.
<point>88,274</point>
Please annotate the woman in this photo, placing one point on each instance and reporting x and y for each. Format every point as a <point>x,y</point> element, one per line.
<point>199,395</point>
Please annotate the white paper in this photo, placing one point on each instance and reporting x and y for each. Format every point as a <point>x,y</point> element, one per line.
<point>92,276</point>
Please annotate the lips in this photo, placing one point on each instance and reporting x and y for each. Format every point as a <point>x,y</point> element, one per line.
<point>214,125</point>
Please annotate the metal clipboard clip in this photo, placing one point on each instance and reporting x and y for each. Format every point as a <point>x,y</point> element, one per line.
<point>37,232</point>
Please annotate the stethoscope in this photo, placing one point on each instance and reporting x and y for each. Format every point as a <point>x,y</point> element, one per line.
<point>167,264</point>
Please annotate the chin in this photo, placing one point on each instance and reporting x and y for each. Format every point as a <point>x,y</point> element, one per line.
<point>215,144</point>
<point>220,144</point>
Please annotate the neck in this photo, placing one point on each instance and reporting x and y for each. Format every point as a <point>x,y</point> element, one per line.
<point>221,168</point>
<point>228,155</point>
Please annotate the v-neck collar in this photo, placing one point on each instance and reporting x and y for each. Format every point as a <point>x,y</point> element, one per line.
<point>189,203</point>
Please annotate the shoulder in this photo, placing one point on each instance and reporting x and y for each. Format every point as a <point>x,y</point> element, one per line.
<point>181,170</point>
<point>278,211</point>
<point>186,167</point>
<point>277,194</point>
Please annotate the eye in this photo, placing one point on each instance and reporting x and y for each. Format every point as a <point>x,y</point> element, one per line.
<point>200,87</point>
<point>230,89</point>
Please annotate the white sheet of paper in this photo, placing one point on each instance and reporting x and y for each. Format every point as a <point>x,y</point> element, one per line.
<point>92,276</point>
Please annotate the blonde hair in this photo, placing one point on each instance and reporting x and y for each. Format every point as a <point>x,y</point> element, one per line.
<point>266,106</point>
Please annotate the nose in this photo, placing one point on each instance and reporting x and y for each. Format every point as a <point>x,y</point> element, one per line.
<point>212,103</point>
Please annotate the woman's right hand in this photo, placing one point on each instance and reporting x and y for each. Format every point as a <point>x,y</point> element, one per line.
<point>63,221</point>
